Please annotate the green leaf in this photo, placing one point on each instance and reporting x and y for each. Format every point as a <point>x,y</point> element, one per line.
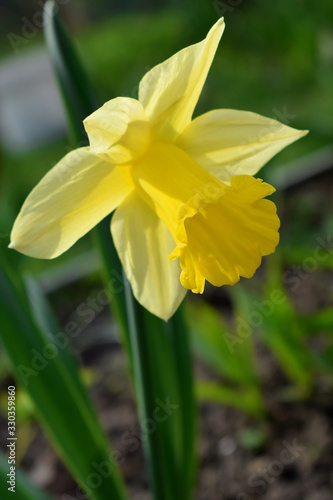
<point>247,399</point>
<point>310,258</point>
<point>180,338</point>
<point>24,489</point>
<point>230,355</point>
<point>77,92</point>
<point>272,316</point>
<point>45,318</point>
<point>320,325</point>
<point>112,274</point>
<point>321,321</point>
<point>63,409</point>
<point>170,450</point>
<point>254,438</point>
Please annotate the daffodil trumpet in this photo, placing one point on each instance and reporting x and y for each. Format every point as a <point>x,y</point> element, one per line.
<point>188,208</point>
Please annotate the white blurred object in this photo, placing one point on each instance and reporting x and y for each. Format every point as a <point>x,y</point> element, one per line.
<point>226,446</point>
<point>31,111</point>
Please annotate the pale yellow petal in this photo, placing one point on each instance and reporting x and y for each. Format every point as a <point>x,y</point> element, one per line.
<point>71,199</point>
<point>119,129</point>
<point>228,142</point>
<point>169,92</point>
<point>143,244</point>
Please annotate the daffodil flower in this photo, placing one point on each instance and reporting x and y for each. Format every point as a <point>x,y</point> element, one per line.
<point>187,207</point>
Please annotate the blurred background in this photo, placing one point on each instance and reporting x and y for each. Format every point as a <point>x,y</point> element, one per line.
<point>264,348</point>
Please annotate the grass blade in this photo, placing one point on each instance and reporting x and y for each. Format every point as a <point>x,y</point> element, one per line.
<point>230,358</point>
<point>60,406</point>
<point>180,340</point>
<point>48,323</point>
<point>272,316</point>
<point>77,92</point>
<point>212,342</point>
<point>248,400</point>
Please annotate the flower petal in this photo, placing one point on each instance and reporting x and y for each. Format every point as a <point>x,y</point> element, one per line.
<point>227,239</point>
<point>169,92</point>
<point>173,184</point>
<point>143,244</point>
<point>228,142</point>
<point>71,199</point>
<point>119,129</point>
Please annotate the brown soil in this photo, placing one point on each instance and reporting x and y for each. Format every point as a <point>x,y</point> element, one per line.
<point>293,460</point>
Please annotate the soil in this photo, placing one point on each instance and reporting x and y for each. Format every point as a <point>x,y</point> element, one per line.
<point>293,458</point>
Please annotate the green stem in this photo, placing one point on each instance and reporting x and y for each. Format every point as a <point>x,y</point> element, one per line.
<point>139,340</point>
<point>180,339</point>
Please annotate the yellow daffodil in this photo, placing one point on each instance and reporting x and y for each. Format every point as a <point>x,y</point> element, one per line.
<point>188,208</point>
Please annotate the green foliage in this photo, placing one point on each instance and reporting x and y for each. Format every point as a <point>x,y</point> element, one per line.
<point>157,354</point>
<point>268,315</point>
<point>45,367</point>
<point>211,341</point>
<point>273,318</point>
<point>253,438</point>
<point>214,342</point>
<point>246,399</point>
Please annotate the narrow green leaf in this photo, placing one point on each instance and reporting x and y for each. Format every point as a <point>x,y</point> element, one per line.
<point>77,92</point>
<point>248,400</point>
<point>59,404</point>
<point>157,386</point>
<point>272,316</point>
<point>230,354</point>
<point>113,278</point>
<point>321,321</point>
<point>320,325</point>
<point>319,255</point>
<point>48,323</point>
<point>180,338</point>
